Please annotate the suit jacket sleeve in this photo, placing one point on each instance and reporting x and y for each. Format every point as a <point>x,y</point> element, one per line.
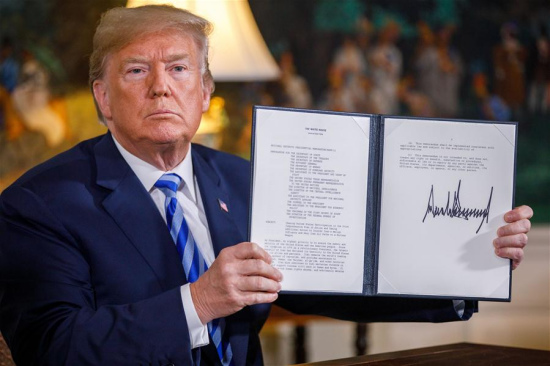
<point>48,308</point>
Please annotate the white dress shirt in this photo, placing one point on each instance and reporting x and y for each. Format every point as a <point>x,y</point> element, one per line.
<point>189,197</point>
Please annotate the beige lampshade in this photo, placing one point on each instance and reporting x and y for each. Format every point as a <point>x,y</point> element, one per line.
<point>237,49</point>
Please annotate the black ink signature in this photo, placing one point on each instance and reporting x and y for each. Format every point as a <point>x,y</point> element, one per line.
<point>456,210</point>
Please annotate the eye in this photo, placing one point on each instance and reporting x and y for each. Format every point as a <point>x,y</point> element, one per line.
<point>179,68</point>
<point>135,71</point>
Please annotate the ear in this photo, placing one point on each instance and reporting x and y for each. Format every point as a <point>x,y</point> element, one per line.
<point>101,96</point>
<point>206,92</point>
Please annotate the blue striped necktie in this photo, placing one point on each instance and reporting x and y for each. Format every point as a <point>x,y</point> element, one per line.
<point>194,264</point>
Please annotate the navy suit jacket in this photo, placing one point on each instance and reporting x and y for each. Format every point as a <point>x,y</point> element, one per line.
<point>89,273</point>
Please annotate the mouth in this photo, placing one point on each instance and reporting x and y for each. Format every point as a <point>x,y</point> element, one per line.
<point>162,113</point>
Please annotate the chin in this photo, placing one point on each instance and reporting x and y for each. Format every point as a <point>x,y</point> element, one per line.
<point>169,140</point>
<point>170,137</point>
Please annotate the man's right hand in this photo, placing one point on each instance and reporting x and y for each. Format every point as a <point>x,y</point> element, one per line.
<point>241,275</point>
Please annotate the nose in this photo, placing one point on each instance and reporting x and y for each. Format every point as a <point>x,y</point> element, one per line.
<point>159,84</point>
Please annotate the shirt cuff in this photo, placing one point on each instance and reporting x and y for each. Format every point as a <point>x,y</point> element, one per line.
<point>198,333</point>
<point>459,306</point>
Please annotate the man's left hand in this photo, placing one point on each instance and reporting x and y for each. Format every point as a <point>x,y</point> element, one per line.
<point>512,237</point>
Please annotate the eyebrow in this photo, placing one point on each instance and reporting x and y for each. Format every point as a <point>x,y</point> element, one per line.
<point>144,60</point>
<point>177,57</point>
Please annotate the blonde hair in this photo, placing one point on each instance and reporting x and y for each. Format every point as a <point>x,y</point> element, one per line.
<point>119,27</point>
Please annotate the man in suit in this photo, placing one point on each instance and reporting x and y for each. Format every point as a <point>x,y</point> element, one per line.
<point>89,271</point>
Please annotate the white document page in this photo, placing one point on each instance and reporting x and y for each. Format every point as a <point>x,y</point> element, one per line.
<point>445,189</point>
<point>309,197</point>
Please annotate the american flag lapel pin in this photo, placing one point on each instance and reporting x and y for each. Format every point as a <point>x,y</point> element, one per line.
<point>223,206</point>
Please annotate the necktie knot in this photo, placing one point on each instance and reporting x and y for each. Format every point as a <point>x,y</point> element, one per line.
<point>168,184</point>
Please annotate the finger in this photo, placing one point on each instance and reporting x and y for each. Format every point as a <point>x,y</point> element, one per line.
<point>515,254</point>
<point>511,241</point>
<point>253,298</point>
<point>519,213</point>
<point>257,267</point>
<point>258,284</point>
<point>248,250</point>
<point>517,227</point>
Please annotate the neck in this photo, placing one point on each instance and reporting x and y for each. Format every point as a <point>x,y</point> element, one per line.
<point>164,157</point>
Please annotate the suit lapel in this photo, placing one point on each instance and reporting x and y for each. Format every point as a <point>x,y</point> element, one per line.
<point>224,233</point>
<point>222,227</point>
<point>132,208</point>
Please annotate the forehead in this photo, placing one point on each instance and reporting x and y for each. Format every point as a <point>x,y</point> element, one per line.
<point>158,46</point>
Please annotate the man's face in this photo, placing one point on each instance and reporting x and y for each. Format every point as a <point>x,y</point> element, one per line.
<point>152,95</point>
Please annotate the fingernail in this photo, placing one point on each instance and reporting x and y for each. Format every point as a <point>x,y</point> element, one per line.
<point>497,251</point>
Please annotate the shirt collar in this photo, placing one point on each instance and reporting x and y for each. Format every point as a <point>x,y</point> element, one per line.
<point>149,174</point>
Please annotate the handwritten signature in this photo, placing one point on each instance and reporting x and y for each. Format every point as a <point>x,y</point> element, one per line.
<point>456,210</point>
